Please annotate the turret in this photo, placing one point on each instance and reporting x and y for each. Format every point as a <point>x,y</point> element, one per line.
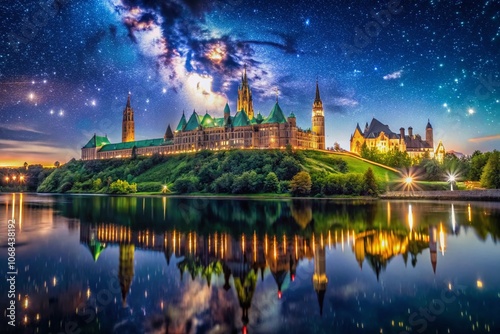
<point>227,113</point>
<point>169,135</point>
<point>429,134</point>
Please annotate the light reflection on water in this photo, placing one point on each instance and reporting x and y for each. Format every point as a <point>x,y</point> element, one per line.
<point>127,264</point>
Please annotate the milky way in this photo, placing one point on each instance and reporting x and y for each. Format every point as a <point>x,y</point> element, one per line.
<point>67,66</point>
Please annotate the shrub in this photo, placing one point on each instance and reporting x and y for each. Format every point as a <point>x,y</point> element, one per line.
<point>122,187</point>
<point>149,187</point>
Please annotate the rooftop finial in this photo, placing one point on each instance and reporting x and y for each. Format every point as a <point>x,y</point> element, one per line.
<point>128,100</point>
<point>276,90</point>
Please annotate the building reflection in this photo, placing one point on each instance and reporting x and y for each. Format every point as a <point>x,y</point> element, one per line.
<point>241,259</point>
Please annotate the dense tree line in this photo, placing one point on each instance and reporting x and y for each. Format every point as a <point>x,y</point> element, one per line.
<point>466,168</point>
<point>25,178</point>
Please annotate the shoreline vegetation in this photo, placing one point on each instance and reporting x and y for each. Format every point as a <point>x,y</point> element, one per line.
<point>457,195</point>
<point>263,174</point>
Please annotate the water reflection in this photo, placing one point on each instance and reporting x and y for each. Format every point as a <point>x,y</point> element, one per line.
<point>190,265</point>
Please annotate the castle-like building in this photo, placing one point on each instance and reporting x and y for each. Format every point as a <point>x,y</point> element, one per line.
<point>380,137</point>
<point>244,129</point>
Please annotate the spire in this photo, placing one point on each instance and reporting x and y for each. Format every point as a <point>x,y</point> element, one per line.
<point>318,98</point>
<point>245,79</point>
<point>128,100</point>
<point>169,134</point>
<point>321,298</point>
<point>429,126</point>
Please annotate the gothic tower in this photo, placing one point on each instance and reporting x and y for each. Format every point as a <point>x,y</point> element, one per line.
<point>429,136</point>
<point>318,119</point>
<point>128,128</point>
<point>245,96</point>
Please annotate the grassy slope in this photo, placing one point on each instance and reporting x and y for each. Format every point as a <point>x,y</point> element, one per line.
<point>312,161</point>
<point>319,160</point>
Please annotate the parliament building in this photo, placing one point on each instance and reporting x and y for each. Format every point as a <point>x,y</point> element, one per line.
<point>244,129</point>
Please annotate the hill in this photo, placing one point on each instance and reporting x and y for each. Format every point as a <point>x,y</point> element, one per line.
<point>233,171</point>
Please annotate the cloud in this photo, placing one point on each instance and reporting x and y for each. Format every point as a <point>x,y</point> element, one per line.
<point>174,35</point>
<point>345,102</point>
<point>394,75</point>
<point>20,127</point>
<point>485,138</point>
<point>15,152</point>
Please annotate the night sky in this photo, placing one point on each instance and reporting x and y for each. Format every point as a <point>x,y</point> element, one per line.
<point>66,67</point>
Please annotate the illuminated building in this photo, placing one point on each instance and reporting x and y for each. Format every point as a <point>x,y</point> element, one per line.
<point>380,137</point>
<point>244,129</point>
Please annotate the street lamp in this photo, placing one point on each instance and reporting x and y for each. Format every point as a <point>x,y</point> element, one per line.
<point>451,179</point>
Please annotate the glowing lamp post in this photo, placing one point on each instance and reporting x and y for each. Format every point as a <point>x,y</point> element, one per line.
<point>451,179</point>
<point>408,182</point>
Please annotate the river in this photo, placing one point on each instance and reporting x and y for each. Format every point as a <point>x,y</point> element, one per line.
<point>104,264</point>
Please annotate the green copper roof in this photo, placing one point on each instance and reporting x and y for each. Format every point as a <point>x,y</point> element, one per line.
<point>226,109</point>
<point>292,115</point>
<point>97,141</point>
<point>241,119</point>
<point>131,144</point>
<point>193,123</point>
<point>96,248</point>
<point>207,121</point>
<point>276,115</point>
<point>182,123</point>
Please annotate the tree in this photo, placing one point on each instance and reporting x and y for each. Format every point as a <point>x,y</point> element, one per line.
<point>336,147</point>
<point>370,183</point>
<point>96,184</point>
<point>477,162</point>
<point>271,183</point>
<point>57,164</point>
<point>301,184</point>
<point>25,165</point>
<point>491,172</point>
<point>186,184</point>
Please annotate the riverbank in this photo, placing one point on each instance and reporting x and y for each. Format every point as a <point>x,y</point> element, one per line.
<point>462,195</point>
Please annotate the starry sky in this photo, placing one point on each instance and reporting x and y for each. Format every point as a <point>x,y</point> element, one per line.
<point>66,67</point>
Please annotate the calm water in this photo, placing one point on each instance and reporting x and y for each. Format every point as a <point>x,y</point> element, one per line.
<point>96,264</point>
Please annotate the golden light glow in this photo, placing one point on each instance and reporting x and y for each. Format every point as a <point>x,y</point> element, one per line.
<point>442,239</point>
<point>479,284</point>
<point>410,218</point>
<point>217,53</point>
